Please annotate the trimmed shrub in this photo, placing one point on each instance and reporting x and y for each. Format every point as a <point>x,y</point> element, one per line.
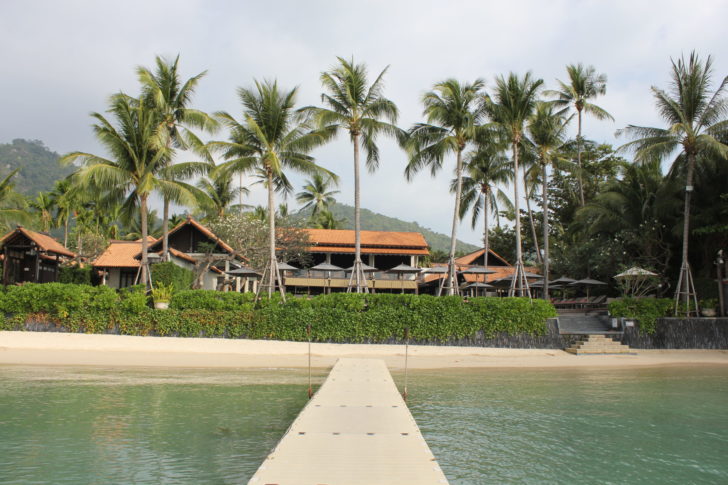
<point>168,273</point>
<point>75,275</point>
<point>210,300</point>
<point>645,310</point>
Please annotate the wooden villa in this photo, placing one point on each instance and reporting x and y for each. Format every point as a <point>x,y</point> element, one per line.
<point>32,257</point>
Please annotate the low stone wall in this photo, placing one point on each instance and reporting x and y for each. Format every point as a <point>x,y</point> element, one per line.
<point>680,333</point>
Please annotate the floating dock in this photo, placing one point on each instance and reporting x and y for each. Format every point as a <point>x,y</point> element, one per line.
<point>356,429</point>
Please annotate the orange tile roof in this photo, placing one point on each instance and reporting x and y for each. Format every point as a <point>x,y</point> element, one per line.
<point>190,259</point>
<point>45,242</point>
<point>383,242</point>
<point>500,272</point>
<point>469,258</point>
<point>120,254</point>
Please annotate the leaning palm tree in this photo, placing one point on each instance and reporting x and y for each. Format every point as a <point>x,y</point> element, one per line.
<point>272,137</point>
<point>697,121</point>
<point>170,98</point>
<point>513,102</point>
<point>454,112</point>
<point>139,152</point>
<point>316,194</point>
<point>354,105</point>
<point>547,130</point>
<point>484,169</point>
<point>584,84</point>
<point>12,204</point>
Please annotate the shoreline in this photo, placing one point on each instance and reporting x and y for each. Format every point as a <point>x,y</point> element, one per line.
<point>70,349</point>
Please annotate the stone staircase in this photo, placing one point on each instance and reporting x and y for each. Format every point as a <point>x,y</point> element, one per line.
<point>598,344</point>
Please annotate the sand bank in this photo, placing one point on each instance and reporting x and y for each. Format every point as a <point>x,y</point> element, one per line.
<point>43,348</point>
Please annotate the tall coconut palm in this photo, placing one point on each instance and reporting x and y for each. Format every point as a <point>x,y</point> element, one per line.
<point>64,196</point>
<point>44,205</point>
<point>170,98</point>
<point>697,120</point>
<point>584,84</point>
<point>272,136</point>
<point>484,169</point>
<point>454,112</point>
<point>139,153</point>
<point>219,193</point>
<point>354,105</point>
<point>513,102</point>
<point>316,194</point>
<point>547,130</point>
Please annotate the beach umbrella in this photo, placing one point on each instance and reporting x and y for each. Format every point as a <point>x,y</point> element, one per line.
<point>435,270</point>
<point>364,267</point>
<point>528,275</point>
<point>637,281</point>
<point>478,285</point>
<point>635,272</point>
<point>477,270</point>
<point>286,267</point>
<point>403,269</point>
<point>328,268</point>
<point>587,283</point>
<point>243,271</point>
<point>563,280</point>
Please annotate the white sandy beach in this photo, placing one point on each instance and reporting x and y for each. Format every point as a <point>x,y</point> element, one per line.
<point>42,348</point>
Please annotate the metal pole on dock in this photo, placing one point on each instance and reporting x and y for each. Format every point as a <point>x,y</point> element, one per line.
<point>406,353</point>
<point>308,332</point>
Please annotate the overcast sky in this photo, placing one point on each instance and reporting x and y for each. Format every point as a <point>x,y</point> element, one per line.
<point>62,59</point>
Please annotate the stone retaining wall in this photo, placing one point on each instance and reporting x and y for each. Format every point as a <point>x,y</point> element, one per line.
<point>680,333</point>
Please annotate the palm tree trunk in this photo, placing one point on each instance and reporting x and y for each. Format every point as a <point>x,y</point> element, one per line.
<point>519,256</point>
<point>165,230</point>
<point>578,159</point>
<point>271,235</point>
<point>545,205</point>
<point>686,232</point>
<point>452,282</point>
<point>65,231</point>
<point>530,219</point>
<point>486,209</point>
<point>145,244</point>
<point>357,221</point>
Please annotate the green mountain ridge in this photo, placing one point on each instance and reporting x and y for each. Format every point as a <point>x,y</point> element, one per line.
<point>373,221</point>
<point>39,167</point>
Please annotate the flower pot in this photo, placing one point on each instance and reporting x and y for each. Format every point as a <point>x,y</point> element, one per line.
<point>161,305</point>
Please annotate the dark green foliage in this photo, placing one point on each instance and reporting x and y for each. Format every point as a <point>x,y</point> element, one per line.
<point>75,275</point>
<point>39,167</point>
<point>168,273</point>
<point>645,310</point>
<point>339,317</point>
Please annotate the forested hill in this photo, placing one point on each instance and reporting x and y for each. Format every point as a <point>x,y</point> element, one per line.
<point>39,167</point>
<point>371,221</point>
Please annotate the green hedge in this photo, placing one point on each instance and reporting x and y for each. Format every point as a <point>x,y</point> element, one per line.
<point>168,273</point>
<point>339,317</point>
<point>645,310</point>
<point>75,274</point>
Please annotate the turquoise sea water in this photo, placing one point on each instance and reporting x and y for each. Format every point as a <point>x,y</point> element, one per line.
<point>96,425</point>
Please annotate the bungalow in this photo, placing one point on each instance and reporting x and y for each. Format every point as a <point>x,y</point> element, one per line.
<point>121,261</point>
<point>31,257</point>
<point>382,250</point>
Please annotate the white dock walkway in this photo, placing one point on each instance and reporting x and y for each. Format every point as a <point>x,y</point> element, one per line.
<point>357,429</point>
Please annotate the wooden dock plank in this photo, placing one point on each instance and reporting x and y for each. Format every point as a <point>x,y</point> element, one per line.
<point>357,429</point>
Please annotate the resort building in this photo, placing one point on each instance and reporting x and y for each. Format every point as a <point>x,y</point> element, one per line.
<point>121,261</point>
<point>380,250</point>
<point>31,257</point>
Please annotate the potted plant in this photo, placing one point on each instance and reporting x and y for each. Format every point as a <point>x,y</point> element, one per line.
<point>162,295</point>
<point>707,307</point>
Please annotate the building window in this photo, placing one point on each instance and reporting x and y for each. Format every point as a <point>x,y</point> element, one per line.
<point>126,278</point>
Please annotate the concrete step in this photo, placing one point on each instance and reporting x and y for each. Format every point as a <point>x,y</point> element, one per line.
<point>598,344</point>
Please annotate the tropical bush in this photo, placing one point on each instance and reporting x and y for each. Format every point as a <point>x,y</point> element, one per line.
<point>75,274</point>
<point>645,310</point>
<point>168,273</point>
<point>338,317</point>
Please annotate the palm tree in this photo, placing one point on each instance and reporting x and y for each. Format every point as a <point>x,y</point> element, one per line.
<point>273,137</point>
<point>354,105</point>
<point>584,84</point>
<point>547,131</point>
<point>163,91</point>
<point>324,219</point>
<point>139,153</point>
<point>12,204</point>
<point>454,112</point>
<point>513,103</point>
<point>316,194</point>
<point>484,168</point>
<point>696,122</point>
<point>64,197</point>
<point>44,205</point>
<point>219,193</point>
